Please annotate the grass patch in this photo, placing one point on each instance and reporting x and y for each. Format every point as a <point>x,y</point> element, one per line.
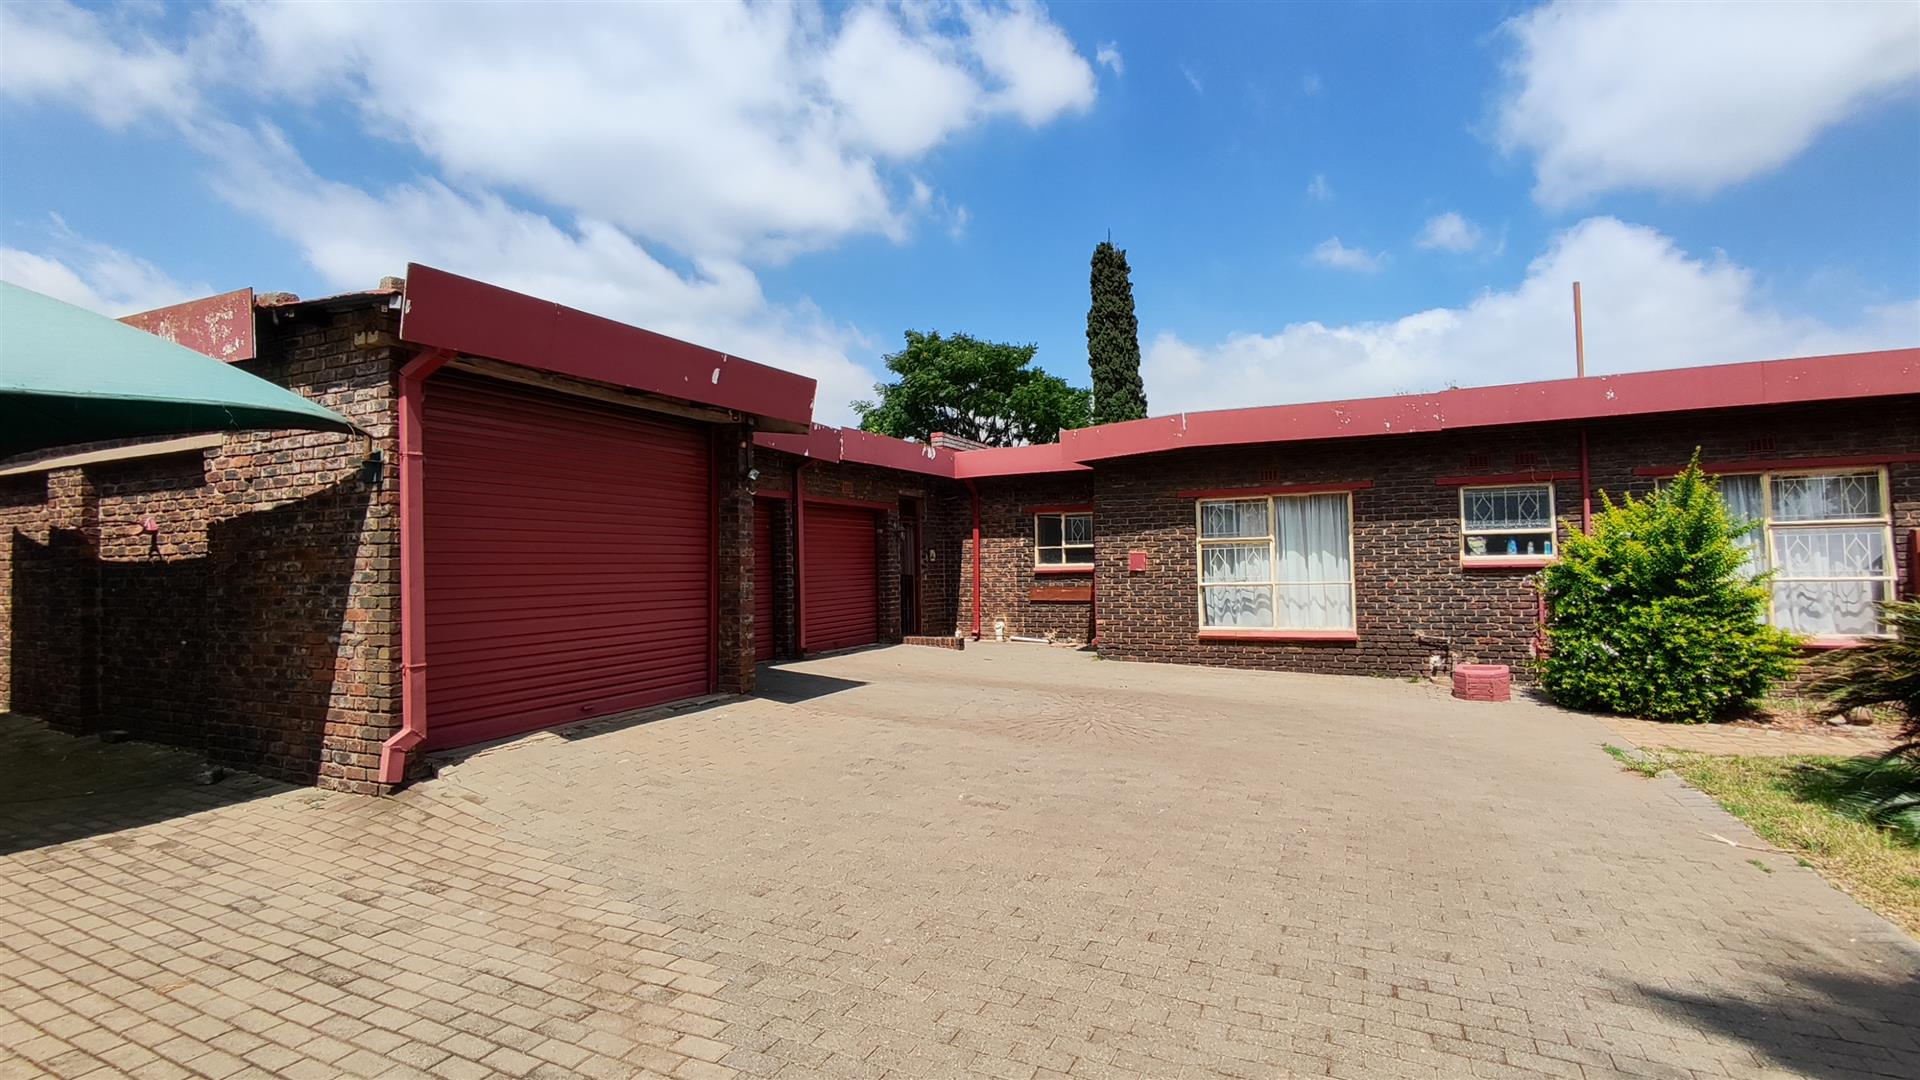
<point>1810,808</point>
<point>1648,766</point>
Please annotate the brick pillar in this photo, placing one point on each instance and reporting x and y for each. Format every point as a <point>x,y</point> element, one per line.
<point>891,537</point>
<point>733,519</point>
<point>61,683</point>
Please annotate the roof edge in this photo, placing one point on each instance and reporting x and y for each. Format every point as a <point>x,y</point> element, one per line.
<point>1837,377</point>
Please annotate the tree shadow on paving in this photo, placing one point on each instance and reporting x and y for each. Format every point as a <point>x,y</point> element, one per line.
<point>56,788</point>
<point>1821,1024</point>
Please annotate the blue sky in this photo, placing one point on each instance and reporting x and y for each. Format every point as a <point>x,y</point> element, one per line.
<point>1318,201</point>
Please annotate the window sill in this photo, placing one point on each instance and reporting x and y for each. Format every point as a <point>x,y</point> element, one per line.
<point>1319,636</point>
<point>1505,562</point>
<point>1072,568</point>
<point>1828,644</point>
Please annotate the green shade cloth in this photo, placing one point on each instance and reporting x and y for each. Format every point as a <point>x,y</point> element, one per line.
<point>70,376</point>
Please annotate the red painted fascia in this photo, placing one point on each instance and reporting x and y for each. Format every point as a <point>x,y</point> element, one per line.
<point>447,311</point>
<point>1274,489</point>
<point>1769,382</point>
<point>820,443</point>
<point>1014,461</point>
<point>1506,478</point>
<point>866,448</point>
<point>1758,465</point>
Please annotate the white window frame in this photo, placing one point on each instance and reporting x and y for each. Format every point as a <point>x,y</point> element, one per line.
<point>1770,530</point>
<point>1062,547</point>
<point>1273,565</point>
<point>1551,532</point>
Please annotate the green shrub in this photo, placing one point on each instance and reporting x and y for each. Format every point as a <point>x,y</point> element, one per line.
<point>1653,613</point>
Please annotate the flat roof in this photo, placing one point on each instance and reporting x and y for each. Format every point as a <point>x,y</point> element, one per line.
<point>1844,376</point>
<point>446,311</point>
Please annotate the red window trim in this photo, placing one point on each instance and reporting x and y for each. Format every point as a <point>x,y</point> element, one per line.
<point>1065,568</point>
<point>863,504</point>
<point>1072,508</point>
<point>1274,489</point>
<point>1773,464</point>
<point>1335,637</point>
<point>1505,478</point>
<point>1505,562</point>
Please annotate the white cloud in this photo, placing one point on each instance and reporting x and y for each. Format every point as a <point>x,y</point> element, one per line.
<point>1108,56</point>
<point>1318,189</point>
<point>352,236</point>
<point>1449,232</point>
<point>1691,97</point>
<point>1311,85</point>
<point>1331,252</point>
<point>93,275</point>
<point>722,128</point>
<point>729,134</point>
<point>1192,79</point>
<point>59,52</point>
<point>1648,305</point>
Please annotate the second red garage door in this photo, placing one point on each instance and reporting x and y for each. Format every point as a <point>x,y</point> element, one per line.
<point>568,560</point>
<point>841,578</point>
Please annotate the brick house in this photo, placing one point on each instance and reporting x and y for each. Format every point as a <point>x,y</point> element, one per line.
<point>555,517</point>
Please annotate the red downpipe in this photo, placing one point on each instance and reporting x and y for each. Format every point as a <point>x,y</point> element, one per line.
<point>975,492</point>
<point>800,557</point>
<point>413,583</point>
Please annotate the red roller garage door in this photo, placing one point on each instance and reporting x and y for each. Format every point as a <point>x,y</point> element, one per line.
<point>568,559</point>
<point>841,586</point>
<point>763,571</point>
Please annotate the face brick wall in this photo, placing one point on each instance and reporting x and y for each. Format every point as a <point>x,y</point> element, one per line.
<point>258,621</point>
<point>1007,576</point>
<point>867,483</point>
<point>1414,600</point>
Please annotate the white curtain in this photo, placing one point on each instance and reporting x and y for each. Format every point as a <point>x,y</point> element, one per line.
<point>1741,494</point>
<point>1829,608</point>
<point>1803,602</point>
<point>1313,581</point>
<point>1300,580</point>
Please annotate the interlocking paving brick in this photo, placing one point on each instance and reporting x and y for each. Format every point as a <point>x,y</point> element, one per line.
<point>1010,862</point>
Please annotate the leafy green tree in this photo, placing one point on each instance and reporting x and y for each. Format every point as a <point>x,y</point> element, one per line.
<point>1113,340</point>
<point>982,390</point>
<point>1654,612</point>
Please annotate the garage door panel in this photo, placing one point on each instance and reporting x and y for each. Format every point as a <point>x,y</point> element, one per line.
<point>568,569</point>
<point>842,577</point>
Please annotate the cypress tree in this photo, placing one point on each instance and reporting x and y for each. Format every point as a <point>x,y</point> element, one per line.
<point>1113,340</point>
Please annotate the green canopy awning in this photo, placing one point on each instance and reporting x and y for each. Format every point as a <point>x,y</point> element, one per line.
<point>70,376</point>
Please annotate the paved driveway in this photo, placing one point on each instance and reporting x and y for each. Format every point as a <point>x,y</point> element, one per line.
<point>1012,861</point>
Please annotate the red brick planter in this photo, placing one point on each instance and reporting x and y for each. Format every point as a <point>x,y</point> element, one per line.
<point>1482,682</point>
<point>936,641</point>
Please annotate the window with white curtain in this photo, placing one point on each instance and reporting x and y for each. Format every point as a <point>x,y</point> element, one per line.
<point>1827,537</point>
<point>1282,562</point>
